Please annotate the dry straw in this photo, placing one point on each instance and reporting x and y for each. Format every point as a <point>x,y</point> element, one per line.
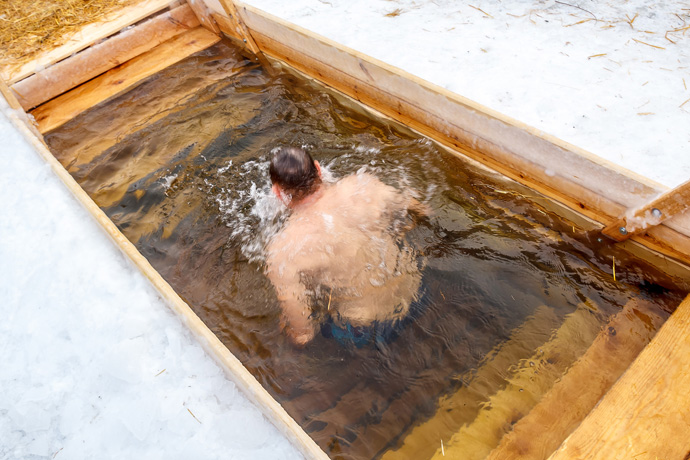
<point>29,27</point>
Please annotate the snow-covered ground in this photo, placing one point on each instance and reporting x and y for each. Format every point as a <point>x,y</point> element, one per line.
<point>94,365</point>
<point>611,77</point>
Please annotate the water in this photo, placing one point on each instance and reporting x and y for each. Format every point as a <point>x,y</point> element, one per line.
<point>180,164</point>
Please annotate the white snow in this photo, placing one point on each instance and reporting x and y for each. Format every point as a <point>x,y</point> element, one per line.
<point>610,77</point>
<point>94,364</point>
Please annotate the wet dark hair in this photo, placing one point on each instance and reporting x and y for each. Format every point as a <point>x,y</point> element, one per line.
<point>293,169</point>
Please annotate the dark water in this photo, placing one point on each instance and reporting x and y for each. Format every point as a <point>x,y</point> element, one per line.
<point>180,165</point>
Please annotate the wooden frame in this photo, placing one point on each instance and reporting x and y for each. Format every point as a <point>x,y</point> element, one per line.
<point>75,70</point>
<point>592,187</point>
<point>88,36</point>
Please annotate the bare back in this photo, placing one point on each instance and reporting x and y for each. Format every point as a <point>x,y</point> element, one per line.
<point>345,242</point>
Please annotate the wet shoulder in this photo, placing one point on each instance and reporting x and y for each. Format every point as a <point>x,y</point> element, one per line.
<point>364,186</point>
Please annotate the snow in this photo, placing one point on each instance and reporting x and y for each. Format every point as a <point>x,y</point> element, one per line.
<point>94,364</point>
<point>609,77</point>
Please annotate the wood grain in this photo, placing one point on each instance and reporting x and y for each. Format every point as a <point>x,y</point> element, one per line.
<point>538,435</point>
<point>118,80</point>
<point>646,415</point>
<point>204,15</point>
<point>453,410</point>
<point>75,70</point>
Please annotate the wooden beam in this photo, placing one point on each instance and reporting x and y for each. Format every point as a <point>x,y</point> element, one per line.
<point>647,412</point>
<point>228,28</point>
<point>590,185</point>
<point>9,96</point>
<point>562,409</point>
<point>635,221</point>
<point>458,409</point>
<point>120,79</point>
<point>203,15</point>
<point>98,59</point>
<point>232,367</point>
<point>528,381</point>
<point>86,37</point>
<point>239,29</point>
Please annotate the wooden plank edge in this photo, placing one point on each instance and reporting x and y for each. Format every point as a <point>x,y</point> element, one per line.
<point>85,65</point>
<point>204,15</point>
<point>234,21</point>
<point>60,110</point>
<point>254,18</point>
<point>232,366</point>
<point>567,403</point>
<point>89,35</point>
<point>575,195</point>
<point>637,220</point>
<point>646,414</point>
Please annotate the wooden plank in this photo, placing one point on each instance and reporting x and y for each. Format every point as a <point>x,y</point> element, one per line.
<point>530,380</point>
<point>75,70</point>
<point>559,412</point>
<point>10,96</point>
<point>120,79</point>
<point>647,412</point>
<point>204,15</point>
<point>89,35</point>
<point>594,187</point>
<point>665,206</point>
<point>236,23</point>
<point>239,27</point>
<point>228,28</point>
<point>458,408</point>
<point>232,367</point>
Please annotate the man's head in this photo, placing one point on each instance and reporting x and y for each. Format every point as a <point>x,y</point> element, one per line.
<point>295,173</point>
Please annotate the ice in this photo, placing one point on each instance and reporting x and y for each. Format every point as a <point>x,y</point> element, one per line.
<point>94,363</point>
<point>123,360</point>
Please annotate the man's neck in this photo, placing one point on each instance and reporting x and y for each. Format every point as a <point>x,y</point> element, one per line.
<point>308,200</point>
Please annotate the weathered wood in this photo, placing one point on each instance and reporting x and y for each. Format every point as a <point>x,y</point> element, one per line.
<point>228,28</point>
<point>665,206</point>
<point>203,15</point>
<point>232,367</point>
<point>65,107</point>
<point>86,37</point>
<point>11,99</point>
<point>559,412</point>
<point>647,412</point>
<point>239,27</point>
<point>82,67</point>
<point>594,187</point>
<point>237,24</point>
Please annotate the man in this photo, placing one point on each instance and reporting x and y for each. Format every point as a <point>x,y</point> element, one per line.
<point>341,253</point>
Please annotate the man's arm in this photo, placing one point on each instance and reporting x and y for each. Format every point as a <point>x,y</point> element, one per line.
<point>296,321</point>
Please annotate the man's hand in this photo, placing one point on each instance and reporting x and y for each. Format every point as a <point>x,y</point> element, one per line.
<point>299,328</point>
